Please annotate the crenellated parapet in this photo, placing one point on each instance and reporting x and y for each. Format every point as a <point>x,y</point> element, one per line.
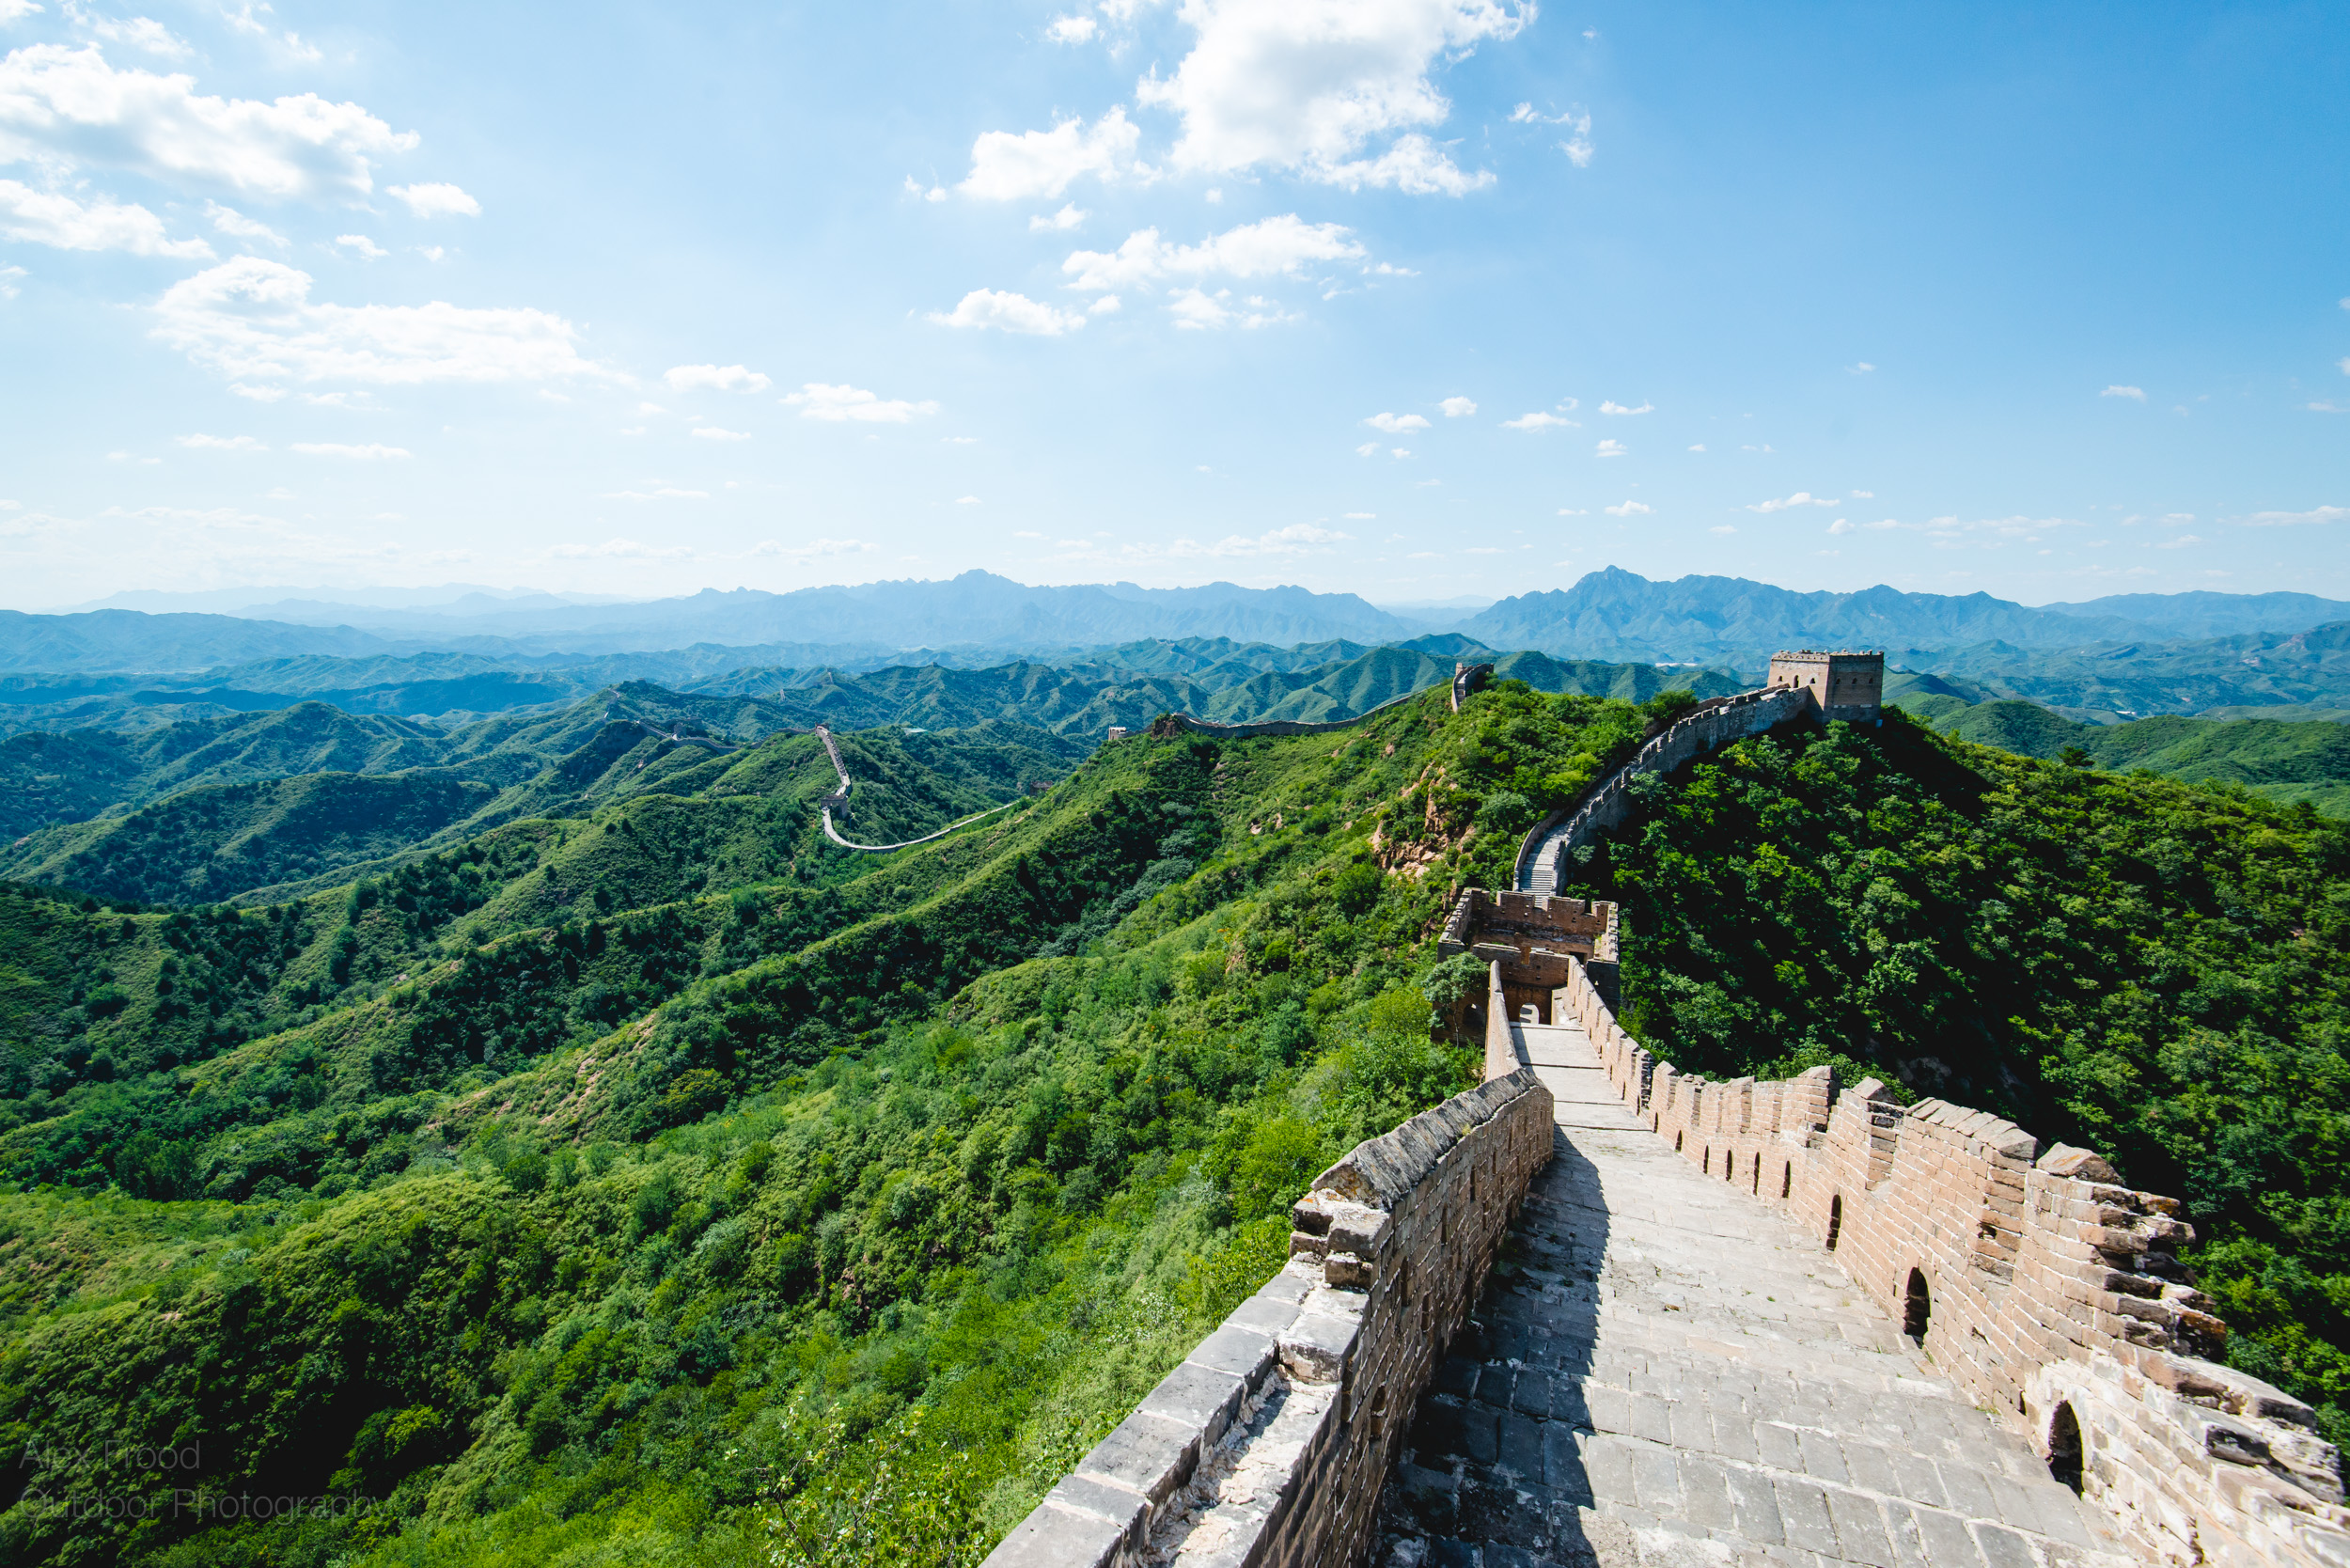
<point>1269,1445</point>
<point>2043,1287</point>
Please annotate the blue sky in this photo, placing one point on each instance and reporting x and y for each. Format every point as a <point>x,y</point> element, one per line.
<point>1410,298</point>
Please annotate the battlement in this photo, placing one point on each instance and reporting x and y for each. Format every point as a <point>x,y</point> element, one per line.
<point>1847,685</point>
<point>2033,1279</point>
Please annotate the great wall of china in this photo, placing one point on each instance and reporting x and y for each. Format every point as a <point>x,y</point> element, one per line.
<point>1597,1311</point>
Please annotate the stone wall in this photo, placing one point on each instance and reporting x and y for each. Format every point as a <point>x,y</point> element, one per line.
<point>1268,1446</point>
<point>1710,726</point>
<point>1170,725</point>
<point>2033,1279</point>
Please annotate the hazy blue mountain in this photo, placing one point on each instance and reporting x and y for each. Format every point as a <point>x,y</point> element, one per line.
<point>1616,614</point>
<point>2134,679</point>
<point>2204,614</point>
<point>129,640</point>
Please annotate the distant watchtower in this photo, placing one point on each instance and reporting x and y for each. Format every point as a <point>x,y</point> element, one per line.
<point>1846,684</point>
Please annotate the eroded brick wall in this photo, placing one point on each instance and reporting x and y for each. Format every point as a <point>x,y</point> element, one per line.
<point>2043,1287</point>
<point>1268,1446</point>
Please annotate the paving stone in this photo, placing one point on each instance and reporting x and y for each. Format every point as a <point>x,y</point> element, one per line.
<point>1823,1459</point>
<point>2003,1548</point>
<point>1757,1507</point>
<point>1778,1446</point>
<point>1705,1493</point>
<point>1859,1529</point>
<point>1656,1480</point>
<point>1803,1514</point>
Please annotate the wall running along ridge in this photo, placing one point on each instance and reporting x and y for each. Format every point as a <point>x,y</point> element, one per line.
<point>2049,1289</point>
<point>1269,1445</point>
<point>840,797</point>
<point>1713,724</point>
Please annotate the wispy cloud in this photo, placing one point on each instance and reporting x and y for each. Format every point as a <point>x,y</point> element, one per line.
<point>1397,424</point>
<point>372,452</point>
<point>1800,498</point>
<point>1004,312</point>
<point>854,405</point>
<point>1541,420</point>
<point>714,378</point>
<point>1618,408</point>
<point>1610,448</point>
<point>2117,390</point>
<point>2295,519</point>
<point>1457,408</point>
<point>1628,508</point>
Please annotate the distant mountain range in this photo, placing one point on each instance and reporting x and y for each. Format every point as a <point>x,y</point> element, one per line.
<point>1613,615</point>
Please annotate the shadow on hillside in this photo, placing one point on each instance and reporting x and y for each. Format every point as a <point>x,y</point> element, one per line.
<point>1495,1454</point>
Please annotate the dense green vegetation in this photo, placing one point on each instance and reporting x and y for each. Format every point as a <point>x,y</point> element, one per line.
<point>2284,761</point>
<point>2153,970</point>
<point>647,1179</point>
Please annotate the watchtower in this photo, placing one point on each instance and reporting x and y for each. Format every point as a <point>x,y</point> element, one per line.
<point>1846,684</point>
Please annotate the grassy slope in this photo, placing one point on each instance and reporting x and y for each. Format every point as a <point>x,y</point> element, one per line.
<point>2279,760</point>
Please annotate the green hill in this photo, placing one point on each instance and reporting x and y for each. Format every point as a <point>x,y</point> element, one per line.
<point>2284,761</point>
<point>647,1180</point>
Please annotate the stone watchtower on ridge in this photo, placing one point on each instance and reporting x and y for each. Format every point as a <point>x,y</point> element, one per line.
<point>1846,684</point>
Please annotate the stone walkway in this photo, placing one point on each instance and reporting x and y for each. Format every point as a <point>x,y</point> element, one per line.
<point>1672,1377</point>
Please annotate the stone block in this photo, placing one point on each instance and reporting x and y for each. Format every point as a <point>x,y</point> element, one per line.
<point>1247,1352</point>
<point>1055,1537</point>
<point>1200,1395</point>
<point>1145,1453</point>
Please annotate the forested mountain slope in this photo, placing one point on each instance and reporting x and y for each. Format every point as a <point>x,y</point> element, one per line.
<point>653,1183</point>
<point>2285,760</point>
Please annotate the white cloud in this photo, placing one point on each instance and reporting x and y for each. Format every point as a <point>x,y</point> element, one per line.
<point>57,101</point>
<point>1109,304</point>
<point>1369,449</point>
<point>1006,311</point>
<point>1281,245</point>
<point>1610,447</point>
<point>1296,540</point>
<point>1072,29</point>
<point>1362,516</point>
<point>716,378</point>
<point>1457,408</point>
<point>664,493</point>
<point>1800,498</point>
<point>1009,168</point>
<point>2179,543</point>
<point>48,218</point>
<point>1401,452</point>
<point>221,443</point>
<point>1722,528</point>
<point>817,400</point>
<point>1025,533</point>
<point>1308,87</point>
<point>632,430</point>
<point>1864,494</point>
<point>1629,508</point>
<point>2137,392</point>
<point>624,549</point>
<point>253,319</point>
<point>1069,216</point>
<point>1618,408</point>
<point>431,253</point>
<point>370,452</point>
<point>2326,408</point>
<point>1698,447</point>
<point>138,32</point>
<point>1841,526</point>
<point>1396,424</point>
<point>2290,519</point>
<point>1862,369</point>
<point>712,432</point>
<point>936,193</point>
<point>17,10</point>
<point>813,548</point>
<point>360,245</point>
<point>229,221</point>
<point>1537,420</point>
<point>437,201</point>
<point>967,501</point>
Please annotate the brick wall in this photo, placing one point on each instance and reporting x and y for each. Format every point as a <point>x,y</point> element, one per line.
<point>2047,1290</point>
<point>1268,1446</point>
<point>1708,726</point>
